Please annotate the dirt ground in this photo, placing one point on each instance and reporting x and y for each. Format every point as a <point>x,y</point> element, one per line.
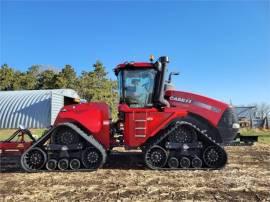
<point>245,178</point>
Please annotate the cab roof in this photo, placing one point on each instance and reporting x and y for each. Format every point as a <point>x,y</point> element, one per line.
<point>134,64</point>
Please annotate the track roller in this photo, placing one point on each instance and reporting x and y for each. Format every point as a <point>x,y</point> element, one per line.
<point>173,162</point>
<point>51,164</point>
<point>185,162</point>
<point>196,162</point>
<point>75,164</point>
<point>63,164</point>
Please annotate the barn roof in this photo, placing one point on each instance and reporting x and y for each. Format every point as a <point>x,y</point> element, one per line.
<point>65,92</point>
<point>32,108</point>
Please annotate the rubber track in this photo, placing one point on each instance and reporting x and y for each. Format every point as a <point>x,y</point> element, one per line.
<point>168,132</point>
<point>89,138</point>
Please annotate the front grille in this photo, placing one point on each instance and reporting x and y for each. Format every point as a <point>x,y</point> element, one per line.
<point>225,126</point>
<point>228,118</point>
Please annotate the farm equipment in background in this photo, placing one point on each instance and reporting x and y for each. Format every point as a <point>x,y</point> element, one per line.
<point>241,140</point>
<point>172,129</point>
<point>12,148</point>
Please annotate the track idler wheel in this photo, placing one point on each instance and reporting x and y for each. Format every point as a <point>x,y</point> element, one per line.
<point>34,159</point>
<point>214,157</point>
<point>156,157</point>
<point>196,162</point>
<point>173,162</point>
<point>51,164</point>
<point>185,162</point>
<point>91,158</point>
<point>75,164</point>
<point>63,164</point>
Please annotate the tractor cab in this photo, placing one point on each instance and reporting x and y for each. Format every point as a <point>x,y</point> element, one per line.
<point>141,85</point>
<point>136,86</point>
<point>142,106</point>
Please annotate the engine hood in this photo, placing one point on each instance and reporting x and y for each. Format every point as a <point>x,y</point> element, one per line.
<point>205,107</point>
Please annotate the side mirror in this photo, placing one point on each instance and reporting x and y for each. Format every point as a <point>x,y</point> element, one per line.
<point>172,74</point>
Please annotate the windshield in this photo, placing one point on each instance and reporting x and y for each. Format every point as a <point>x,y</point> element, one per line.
<point>136,87</point>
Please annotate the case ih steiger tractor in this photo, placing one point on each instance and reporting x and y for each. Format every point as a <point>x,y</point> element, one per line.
<point>173,129</point>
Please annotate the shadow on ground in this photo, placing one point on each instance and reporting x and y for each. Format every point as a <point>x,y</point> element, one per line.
<point>116,160</point>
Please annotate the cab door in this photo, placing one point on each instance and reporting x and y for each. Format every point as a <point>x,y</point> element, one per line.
<point>142,123</point>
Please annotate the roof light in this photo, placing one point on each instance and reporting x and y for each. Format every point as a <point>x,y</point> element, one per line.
<point>151,58</point>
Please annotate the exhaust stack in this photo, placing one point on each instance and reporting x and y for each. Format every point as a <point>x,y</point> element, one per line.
<point>161,66</point>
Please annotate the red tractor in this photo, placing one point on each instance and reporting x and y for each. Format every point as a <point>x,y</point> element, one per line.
<point>173,129</point>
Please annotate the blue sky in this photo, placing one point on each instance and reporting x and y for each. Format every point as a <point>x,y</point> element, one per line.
<point>221,48</point>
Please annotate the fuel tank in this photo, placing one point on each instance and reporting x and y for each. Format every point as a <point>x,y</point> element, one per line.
<point>93,117</point>
<point>219,114</point>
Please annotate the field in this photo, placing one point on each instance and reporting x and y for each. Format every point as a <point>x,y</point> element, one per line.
<point>245,178</point>
<point>5,133</point>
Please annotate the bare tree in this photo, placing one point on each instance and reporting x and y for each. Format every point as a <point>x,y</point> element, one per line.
<point>263,112</point>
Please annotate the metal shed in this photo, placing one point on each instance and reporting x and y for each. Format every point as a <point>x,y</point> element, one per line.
<point>33,108</point>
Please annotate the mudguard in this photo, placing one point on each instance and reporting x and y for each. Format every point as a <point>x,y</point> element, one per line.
<point>93,117</point>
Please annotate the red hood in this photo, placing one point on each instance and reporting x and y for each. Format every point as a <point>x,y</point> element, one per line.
<point>205,107</point>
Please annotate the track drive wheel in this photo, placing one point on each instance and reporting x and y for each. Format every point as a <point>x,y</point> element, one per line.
<point>34,159</point>
<point>214,157</point>
<point>91,158</point>
<point>156,157</point>
<point>65,136</point>
<point>183,134</point>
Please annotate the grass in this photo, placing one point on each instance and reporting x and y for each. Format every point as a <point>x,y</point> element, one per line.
<point>263,134</point>
<point>6,133</point>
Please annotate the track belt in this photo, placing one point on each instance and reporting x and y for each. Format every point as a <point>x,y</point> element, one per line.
<point>88,138</point>
<point>169,130</point>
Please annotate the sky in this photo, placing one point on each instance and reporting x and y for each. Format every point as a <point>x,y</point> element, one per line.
<point>220,48</point>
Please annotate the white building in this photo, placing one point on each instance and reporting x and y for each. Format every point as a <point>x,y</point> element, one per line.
<point>33,108</point>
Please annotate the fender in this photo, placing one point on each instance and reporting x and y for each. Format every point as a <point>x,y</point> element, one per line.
<point>94,117</point>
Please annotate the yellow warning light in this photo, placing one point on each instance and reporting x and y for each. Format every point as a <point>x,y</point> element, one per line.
<point>151,58</point>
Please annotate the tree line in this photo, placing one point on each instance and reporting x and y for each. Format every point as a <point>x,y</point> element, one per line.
<point>93,85</point>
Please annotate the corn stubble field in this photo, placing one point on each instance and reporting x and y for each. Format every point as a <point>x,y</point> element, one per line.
<point>245,178</point>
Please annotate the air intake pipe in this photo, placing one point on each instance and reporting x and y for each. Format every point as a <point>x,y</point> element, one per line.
<point>161,66</point>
